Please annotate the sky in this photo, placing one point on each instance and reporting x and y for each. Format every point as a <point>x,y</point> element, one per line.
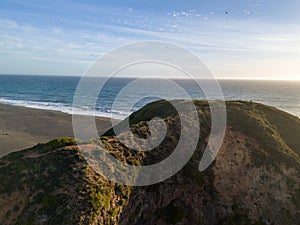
<point>241,39</point>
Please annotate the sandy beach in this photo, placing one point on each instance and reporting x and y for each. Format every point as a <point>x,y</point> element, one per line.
<point>22,127</point>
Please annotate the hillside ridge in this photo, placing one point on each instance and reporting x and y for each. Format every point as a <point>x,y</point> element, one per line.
<point>254,179</point>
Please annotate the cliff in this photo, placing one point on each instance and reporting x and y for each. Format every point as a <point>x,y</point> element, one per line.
<point>254,179</point>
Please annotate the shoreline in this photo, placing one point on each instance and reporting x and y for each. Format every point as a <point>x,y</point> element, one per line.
<point>115,116</point>
<point>23,127</point>
<point>60,107</point>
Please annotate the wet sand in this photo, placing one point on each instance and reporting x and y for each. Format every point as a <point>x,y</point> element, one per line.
<point>22,127</point>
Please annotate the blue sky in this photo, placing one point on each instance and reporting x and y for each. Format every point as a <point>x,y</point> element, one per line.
<point>257,39</point>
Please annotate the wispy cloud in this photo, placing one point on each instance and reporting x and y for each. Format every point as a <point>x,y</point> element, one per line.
<point>231,41</point>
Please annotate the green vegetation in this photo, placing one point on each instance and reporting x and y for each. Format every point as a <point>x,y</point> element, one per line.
<point>57,143</point>
<point>250,119</point>
<point>288,126</point>
<point>162,109</point>
<point>99,200</point>
<point>113,212</point>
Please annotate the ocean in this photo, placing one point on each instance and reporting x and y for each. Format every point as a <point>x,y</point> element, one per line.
<point>57,93</point>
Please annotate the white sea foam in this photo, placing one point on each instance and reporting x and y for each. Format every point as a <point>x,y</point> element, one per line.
<point>115,114</point>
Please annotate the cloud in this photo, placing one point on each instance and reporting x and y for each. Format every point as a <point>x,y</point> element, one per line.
<point>222,41</point>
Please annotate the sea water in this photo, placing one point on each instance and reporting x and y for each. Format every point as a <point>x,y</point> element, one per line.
<point>57,93</point>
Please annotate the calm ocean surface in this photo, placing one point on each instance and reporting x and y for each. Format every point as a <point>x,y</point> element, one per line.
<point>57,93</point>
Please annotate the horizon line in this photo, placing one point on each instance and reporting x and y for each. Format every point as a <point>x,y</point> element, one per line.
<point>174,78</point>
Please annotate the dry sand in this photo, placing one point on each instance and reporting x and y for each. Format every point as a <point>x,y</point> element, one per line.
<point>22,127</point>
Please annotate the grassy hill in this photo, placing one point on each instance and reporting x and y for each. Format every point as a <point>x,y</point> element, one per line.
<point>254,179</point>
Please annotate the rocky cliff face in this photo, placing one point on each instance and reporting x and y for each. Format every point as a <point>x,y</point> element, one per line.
<point>254,179</point>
